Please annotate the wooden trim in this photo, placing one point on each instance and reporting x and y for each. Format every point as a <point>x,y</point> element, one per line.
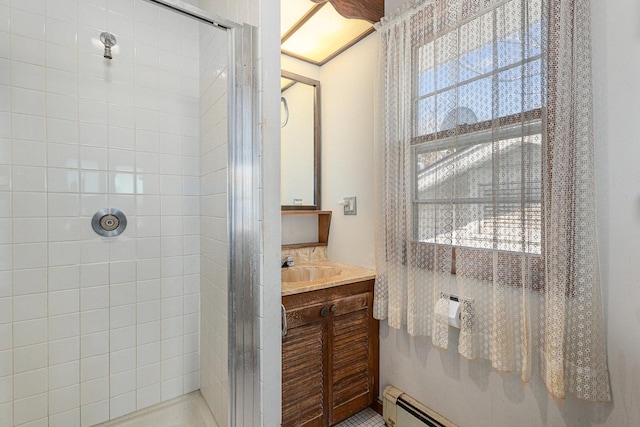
<point>317,152</point>
<point>317,138</point>
<point>288,86</point>
<point>324,225</point>
<point>333,55</point>
<point>377,405</point>
<point>299,208</point>
<point>328,294</point>
<point>524,117</point>
<point>307,212</point>
<point>301,22</point>
<point>299,78</point>
<point>374,351</point>
<point>300,57</point>
<point>453,260</point>
<point>367,10</point>
<point>422,257</point>
<point>303,245</point>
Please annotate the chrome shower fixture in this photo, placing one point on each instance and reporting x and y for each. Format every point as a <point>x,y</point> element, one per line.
<point>108,40</point>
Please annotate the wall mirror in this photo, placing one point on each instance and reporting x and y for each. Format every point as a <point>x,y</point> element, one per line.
<point>300,142</point>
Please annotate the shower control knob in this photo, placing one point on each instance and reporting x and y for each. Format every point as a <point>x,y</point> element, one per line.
<point>109,222</point>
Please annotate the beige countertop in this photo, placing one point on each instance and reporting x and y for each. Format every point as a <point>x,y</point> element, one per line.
<point>345,274</point>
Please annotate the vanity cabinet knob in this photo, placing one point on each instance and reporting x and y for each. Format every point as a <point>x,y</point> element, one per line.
<point>334,309</point>
<point>324,312</point>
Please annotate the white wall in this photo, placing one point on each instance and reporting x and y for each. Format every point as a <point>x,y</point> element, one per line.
<point>346,84</point>
<point>270,289</point>
<point>347,150</point>
<point>469,393</point>
<point>616,39</point>
<point>94,328</point>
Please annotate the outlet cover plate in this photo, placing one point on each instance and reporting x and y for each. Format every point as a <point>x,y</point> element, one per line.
<point>350,206</point>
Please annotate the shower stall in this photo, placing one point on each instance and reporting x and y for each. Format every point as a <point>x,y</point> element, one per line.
<point>128,210</point>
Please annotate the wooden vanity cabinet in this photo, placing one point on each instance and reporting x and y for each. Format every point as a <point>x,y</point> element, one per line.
<point>329,355</point>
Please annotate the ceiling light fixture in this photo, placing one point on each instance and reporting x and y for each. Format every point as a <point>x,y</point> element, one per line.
<point>317,32</point>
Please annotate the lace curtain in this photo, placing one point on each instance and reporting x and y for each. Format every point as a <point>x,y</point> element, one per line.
<point>486,187</point>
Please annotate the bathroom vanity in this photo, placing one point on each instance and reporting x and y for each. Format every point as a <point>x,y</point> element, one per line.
<point>330,345</point>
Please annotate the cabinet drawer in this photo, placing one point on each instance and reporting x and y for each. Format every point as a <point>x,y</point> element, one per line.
<point>349,304</point>
<point>303,315</point>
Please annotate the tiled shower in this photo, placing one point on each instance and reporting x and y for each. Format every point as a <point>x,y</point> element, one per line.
<point>92,328</point>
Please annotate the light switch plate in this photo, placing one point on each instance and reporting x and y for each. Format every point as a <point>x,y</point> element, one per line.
<point>350,206</point>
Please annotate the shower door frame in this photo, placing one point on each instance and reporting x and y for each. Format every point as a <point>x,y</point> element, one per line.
<point>244,171</point>
<point>244,231</point>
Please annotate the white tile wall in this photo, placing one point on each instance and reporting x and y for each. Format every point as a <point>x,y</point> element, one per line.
<point>93,328</point>
<point>213,219</point>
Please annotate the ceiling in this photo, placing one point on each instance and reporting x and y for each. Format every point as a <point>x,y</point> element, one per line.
<point>317,31</point>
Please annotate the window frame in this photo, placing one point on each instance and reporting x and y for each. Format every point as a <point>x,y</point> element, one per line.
<point>424,251</point>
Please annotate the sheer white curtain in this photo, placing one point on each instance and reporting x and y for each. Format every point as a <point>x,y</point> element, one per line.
<point>486,186</point>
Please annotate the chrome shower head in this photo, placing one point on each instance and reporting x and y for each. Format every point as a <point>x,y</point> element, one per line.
<point>109,40</point>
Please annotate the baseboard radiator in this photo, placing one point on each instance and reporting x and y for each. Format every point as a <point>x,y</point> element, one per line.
<point>401,410</point>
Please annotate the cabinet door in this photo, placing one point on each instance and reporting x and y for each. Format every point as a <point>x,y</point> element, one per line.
<point>303,365</point>
<point>352,341</point>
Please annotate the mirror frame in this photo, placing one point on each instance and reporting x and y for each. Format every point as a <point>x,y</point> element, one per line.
<point>316,142</point>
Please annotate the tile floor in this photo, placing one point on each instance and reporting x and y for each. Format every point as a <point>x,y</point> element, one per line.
<point>366,418</point>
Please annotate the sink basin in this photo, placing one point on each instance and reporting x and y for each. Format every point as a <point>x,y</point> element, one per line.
<point>306,273</point>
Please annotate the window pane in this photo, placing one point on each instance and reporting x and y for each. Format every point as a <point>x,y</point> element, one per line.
<point>485,195</point>
<point>453,173</point>
<point>533,35</point>
<point>507,226</point>
<point>435,224</point>
<point>425,121</point>
<point>446,56</point>
<point>479,225</point>
<point>511,84</point>
<point>478,97</point>
<point>510,45</point>
<point>533,85</point>
<point>476,47</point>
<point>510,92</point>
<point>446,109</point>
<point>479,186</point>
<point>425,70</point>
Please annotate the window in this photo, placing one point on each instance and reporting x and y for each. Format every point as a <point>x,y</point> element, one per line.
<point>487,139</point>
<point>477,131</point>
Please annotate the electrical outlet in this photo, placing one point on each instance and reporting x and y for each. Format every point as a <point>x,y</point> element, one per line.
<point>350,206</point>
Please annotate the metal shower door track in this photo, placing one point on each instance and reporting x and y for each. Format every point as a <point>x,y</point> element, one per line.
<point>197,13</point>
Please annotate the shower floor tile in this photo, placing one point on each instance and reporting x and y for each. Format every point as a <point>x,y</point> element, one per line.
<point>366,418</point>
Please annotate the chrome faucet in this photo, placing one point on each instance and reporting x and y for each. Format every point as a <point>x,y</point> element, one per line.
<point>287,261</point>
